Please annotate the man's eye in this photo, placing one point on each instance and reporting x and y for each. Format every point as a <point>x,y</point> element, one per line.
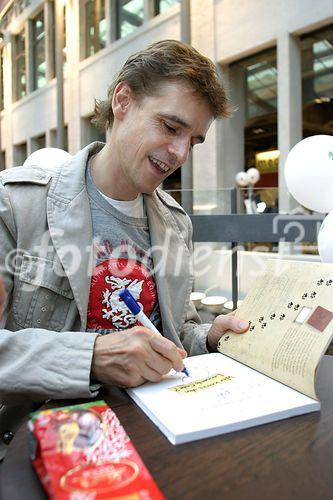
<point>169,128</point>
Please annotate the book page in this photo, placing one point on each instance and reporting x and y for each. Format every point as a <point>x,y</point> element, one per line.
<point>290,310</point>
<point>220,395</point>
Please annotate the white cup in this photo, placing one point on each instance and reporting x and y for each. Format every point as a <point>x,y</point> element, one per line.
<point>228,306</point>
<point>214,303</point>
<point>196,298</point>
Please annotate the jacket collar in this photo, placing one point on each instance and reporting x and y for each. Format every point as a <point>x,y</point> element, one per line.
<point>71,178</point>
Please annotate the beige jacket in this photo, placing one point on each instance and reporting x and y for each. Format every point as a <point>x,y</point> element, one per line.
<point>45,220</point>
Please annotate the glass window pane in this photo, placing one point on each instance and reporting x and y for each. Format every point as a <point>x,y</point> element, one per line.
<point>20,153</point>
<point>39,66</point>
<point>261,84</point>
<point>95,27</point>
<point>317,64</point>
<point>317,82</point>
<point>164,5</point>
<point>52,36</point>
<point>102,33</point>
<point>257,75</point>
<point>131,16</point>
<point>19,66</point>
<point>2,160</point>
<point>38,51</point>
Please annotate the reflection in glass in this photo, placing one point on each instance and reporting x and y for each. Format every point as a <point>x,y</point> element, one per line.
<point>131,16</point>
<point>38,51</point>
<point>95,28</point>
<point>20,67</point>
<point>259,79</point>
<point>163,5</point>
<point>261,83</point>
<point>317,82</point>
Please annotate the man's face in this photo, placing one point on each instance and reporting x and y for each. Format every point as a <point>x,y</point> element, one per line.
<point>154,135</point>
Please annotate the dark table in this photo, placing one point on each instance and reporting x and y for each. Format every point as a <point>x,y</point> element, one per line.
<point>290,459</point>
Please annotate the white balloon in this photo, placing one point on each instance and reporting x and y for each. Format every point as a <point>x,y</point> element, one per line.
<point>242,179</point>
<point>253,175</point>
<point>325,239</point>
<point>309,172</point>
<point>47,157</point>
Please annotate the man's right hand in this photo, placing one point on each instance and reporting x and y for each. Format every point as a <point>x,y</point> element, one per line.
<point>133,357</point>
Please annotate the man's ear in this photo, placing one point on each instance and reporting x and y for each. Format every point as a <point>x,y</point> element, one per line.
<point>122,97</point>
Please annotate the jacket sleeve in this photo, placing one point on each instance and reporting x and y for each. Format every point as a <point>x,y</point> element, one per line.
<point>193,334</point>
<point>36,363</point>
<point>40,364</point>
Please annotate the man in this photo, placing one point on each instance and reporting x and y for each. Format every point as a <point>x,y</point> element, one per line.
<point>71,238</point>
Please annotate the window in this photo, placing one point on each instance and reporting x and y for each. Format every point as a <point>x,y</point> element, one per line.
<point>1,81</point>
<point>53,138</point>
<point>317,82</point>
<point>124,17</point>
<point>261,84</point>
<point>260,74</point>
<point>162,6</point>
<point>90,133</point>
<point>51,33</point>
<point>38,142</point>
<point>2,160</point>
<point>20,77</point>
<point>131,14</point>
<point>95,26</point>
<point>20,154</point>
<point>258,78</point>
<point>38,51</point>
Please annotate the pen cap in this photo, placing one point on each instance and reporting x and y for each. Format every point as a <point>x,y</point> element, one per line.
<point>130,301</point>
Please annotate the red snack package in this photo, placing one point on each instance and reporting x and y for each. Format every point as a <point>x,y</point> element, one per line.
<point>82,452</point>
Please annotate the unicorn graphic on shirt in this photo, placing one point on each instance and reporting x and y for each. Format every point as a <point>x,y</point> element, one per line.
<point>116,309</point>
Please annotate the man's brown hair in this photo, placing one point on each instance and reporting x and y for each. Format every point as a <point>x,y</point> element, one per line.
<point>168,60</point>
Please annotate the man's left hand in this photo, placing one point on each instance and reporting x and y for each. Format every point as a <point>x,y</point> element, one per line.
<point>223,323</point>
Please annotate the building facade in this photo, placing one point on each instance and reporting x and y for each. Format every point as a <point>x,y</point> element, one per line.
<point>276,57</point>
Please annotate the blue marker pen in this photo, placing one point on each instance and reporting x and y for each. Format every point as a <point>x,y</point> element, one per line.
<point>135,309</point>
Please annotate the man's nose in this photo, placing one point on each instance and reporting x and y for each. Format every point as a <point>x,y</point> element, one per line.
<point>180,148</point>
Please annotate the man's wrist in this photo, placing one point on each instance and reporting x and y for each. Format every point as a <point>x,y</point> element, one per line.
<point>209,348</point>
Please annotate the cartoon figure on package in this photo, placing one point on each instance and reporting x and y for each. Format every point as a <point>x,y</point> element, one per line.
<point>78,430</point>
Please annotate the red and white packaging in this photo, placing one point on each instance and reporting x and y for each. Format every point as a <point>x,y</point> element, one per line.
<point>82,452</point>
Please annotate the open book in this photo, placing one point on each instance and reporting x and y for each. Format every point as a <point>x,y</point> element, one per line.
<point>264,375</point>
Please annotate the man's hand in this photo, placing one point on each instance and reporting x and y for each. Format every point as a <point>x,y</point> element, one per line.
<point>2,296</point>
<point>133,357</point>
<point>223,323</point>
